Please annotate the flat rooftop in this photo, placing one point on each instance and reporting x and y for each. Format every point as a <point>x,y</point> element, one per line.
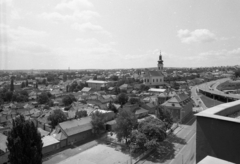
<point>226,111</point>
<point>213,160</point>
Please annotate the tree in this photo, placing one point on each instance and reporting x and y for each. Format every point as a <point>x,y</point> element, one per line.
<point>1,101</point>
<point>95,77</point>
<point>98,120</point>
<point>114,78</point>
<point>56,117</point>
<point>237,73</point>
<point>12,85</point>
<point>144,87</point>
<point>133,100</point>
<point>24,142</point>
<point>44,81</point>
<point>73,86</point>
<point>50,78</point>
<point>23,85</point>
<point>43,98</point>
<point>116,90</point>
<point>150,133</point>
<point>26,83</point>
<point>122,98</point>
<point>68,100</point>
<point>166,117</point>
<point>112,107</point>
<point>8,96</point>
<point>81,113</point>
<point>126,121</point>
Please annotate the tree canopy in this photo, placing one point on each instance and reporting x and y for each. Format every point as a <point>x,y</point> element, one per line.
<point>44,97</point>
<point>98,120</point>
<point>166,117</point>
<point>24,142</point>
<point>81,113</point>
<point>68,100</point>
<point>126,121</point>
<point>237,73</point>
<point>122,98</point>
<point>149,134</point>
<point>56,117</point>
<point>134,100</point>
<point>112,107</point>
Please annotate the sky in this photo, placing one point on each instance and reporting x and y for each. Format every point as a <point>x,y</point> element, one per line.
<point>109,34</point>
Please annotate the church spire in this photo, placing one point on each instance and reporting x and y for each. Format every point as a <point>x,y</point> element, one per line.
<point>160,62</point>
<point>160,56</point>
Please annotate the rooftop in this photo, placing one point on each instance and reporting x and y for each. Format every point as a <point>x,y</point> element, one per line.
<point>156,90</point>
<point>3,140</point>
<point>49,140</point>
<point>76,126</point>
<point>213,160</point>
<point>96,81</point>
<point>222,111</point>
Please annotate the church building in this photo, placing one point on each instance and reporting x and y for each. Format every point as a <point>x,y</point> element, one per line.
<point>154,78</point>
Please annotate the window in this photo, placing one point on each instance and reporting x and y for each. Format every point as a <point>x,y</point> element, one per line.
<point>157,80</point>
<point>153,80</point>
<point>160,80</point>
<point>147,80</point>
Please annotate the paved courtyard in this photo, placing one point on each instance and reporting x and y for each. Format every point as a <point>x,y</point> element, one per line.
<point>100,154</point>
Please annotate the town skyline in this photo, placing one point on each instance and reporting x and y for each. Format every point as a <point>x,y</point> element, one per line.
<point>84,34</point>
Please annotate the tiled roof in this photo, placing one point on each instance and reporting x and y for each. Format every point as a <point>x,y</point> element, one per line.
<point>73,127</point>
<point>153,73</point>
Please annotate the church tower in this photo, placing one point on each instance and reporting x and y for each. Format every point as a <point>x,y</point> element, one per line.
<point>160,63</point>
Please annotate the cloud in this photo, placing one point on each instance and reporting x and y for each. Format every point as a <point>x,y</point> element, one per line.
<point>74,5</point>
<point>89,27</point>
<point>221,53</point>
<point>20,34</point>
<point>9,10</point>
<point>196,36</point>
<point>83,15</point>
<point>22,41</point>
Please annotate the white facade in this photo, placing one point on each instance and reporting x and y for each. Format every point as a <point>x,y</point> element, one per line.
<point>96,84</point>
<point>153,80</point>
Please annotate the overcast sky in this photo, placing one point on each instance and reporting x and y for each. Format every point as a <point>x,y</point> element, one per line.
<point>82,34</point>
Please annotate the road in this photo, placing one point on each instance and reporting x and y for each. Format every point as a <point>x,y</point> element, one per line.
<point>211,87</point>
<point>196,98</point>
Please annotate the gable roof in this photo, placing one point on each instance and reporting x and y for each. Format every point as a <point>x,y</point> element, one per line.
<point>86,89</point>
<point>153,73</point>
<point>141,110</point>
<point>73,127</point>
<point>49,140</point>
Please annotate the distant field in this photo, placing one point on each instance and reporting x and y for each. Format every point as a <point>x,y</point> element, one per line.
<point>210,102</point>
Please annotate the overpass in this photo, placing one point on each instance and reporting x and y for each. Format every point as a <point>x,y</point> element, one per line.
<point>210,89</point>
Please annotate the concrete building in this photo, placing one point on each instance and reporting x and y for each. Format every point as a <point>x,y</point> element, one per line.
<point>218,132</point>
<point>154,78</point>
<point>96,84</point>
